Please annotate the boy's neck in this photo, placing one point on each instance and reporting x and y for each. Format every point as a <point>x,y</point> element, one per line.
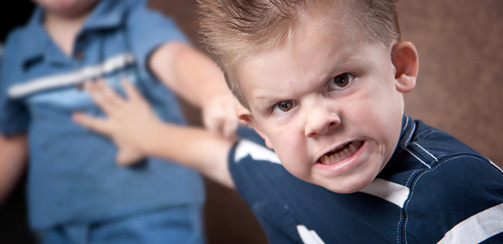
<point>63,30</point>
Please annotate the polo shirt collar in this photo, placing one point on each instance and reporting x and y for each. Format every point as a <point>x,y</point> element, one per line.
<point>107,14</point>
<point>408,129</point>
<point>43,47</point>
<point>34,49</point>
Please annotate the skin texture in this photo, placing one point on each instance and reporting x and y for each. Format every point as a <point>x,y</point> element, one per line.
<point>13,157</point>
<point>146,135</point>
<point>321,91</point>
<point>67,9</point>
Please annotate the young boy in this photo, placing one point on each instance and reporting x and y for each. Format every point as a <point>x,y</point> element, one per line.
<point>76,193</point>
<point>322,83</point>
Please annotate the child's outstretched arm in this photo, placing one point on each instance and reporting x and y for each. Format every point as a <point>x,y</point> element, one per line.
<point>13,156</point>
<point>136,130</point>
<point>200,81</point>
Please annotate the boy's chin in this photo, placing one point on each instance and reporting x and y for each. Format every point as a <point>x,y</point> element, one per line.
<point>345,187</point>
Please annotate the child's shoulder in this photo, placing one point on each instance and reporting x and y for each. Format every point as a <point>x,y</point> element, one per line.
<point>15,37</point>
<point>14,48</point>
<point>449,162</point>
<point>427,155</point>
<point>21,37</point>
<point>441,146</point>
<point>448,182</point>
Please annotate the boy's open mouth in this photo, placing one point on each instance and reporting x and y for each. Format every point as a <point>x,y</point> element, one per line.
<point>340,153</point>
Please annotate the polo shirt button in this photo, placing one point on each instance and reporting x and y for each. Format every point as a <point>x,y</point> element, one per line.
<point>81,38</point>
<point>79,56</point>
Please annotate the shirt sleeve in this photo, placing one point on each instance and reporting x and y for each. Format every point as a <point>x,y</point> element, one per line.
<point>14,116</point>
<point>462,198</point>
<point>147,29</point>
<point>263,183</point>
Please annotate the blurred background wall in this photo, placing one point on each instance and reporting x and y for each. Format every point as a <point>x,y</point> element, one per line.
<point>459,90</point>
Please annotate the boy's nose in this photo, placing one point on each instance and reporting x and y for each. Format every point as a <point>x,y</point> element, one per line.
<point>320,121</point>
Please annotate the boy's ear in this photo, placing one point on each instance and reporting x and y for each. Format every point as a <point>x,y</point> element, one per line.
<point>246,117</point>
<point>405,60</point>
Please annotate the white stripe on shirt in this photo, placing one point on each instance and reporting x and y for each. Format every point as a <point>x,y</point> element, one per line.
<point>416,157</point>
<point>309,236</point>
<point>477,228</point>
<point>257,152</point>
<point>112,64</point>
<point>389,191</point>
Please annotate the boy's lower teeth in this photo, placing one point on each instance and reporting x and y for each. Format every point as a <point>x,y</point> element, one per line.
<point>341,155</point>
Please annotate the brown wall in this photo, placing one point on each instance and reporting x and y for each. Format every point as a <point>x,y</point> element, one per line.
<point>460,44</point>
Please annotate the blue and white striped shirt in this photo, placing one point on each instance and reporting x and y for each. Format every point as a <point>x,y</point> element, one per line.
<point>434,189</point>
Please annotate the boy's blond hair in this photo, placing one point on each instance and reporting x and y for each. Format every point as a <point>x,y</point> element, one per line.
<point>235,29</point>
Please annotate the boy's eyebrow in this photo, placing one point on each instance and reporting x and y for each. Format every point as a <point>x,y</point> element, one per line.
<point>265,100</point>
<point>346,63</point>
<point>349,58</point>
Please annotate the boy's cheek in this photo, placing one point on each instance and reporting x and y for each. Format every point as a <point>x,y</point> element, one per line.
<point>264,136</point>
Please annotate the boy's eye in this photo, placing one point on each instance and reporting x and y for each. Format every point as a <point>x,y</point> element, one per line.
<point>283,106</point>
<point>340,81</point>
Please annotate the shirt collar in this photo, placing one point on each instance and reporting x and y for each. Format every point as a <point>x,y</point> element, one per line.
<point>34,49</point>
<point>43,47</point>
<point>408,128</point>
<point>107,14</point>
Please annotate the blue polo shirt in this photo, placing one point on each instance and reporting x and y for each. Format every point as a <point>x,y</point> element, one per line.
<point>72,175</point>
<point>434,189</point>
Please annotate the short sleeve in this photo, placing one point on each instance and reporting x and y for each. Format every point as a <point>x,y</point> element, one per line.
<point>14,116</point>
<point>147,29</point>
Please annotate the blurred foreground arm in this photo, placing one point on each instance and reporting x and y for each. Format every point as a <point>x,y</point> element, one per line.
<point>137,131</point>
<point>13,156</point>
<point>200,81</point>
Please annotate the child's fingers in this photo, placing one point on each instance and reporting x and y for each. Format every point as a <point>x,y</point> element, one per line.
<point>131,91</point>
<point>98,96</point>
<point>127,158</point>
<point>109,94</point>
<point>103,96</point>
<point>96,124</point>
<point>230,128</point>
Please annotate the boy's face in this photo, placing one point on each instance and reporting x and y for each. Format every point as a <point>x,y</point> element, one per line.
<point>328,104</point>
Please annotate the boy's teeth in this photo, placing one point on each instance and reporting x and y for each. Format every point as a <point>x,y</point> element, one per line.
<point>331,158</point>
<point>352,147</point>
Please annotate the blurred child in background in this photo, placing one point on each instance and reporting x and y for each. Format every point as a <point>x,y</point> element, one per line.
<point>76,193</point>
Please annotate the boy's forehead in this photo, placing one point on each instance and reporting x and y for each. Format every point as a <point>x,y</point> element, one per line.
<point>337,19</point>
<point>313,25</point>
<point>313,30</point>
<point>311,54</point>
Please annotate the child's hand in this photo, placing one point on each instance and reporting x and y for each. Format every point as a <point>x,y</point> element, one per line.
<point>130,123</point>
<point>219,115</point>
